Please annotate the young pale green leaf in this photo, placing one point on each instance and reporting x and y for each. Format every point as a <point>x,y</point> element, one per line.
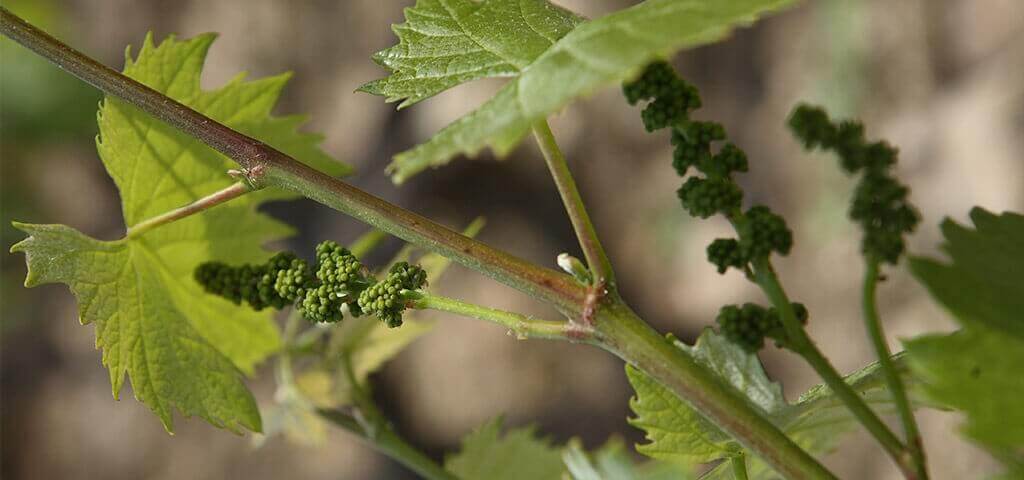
<point>977,370</point>
<point>366,343</point>
<point>358,347</point>
<point>614,462</point>
<point>982,285</point>
<point>181,348</point>
<point>516,455</point>
<point>444,43</point>
<point>595,54</point>
<point>294,415</point>
<point>819,419</point>
<point>678,433</point>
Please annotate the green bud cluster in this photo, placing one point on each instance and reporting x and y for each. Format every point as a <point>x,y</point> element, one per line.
<point>728,160</point>
<point>339,282</point>
<point>670,97</point>
<point>385,298</point>
<point>320,304</point>
<point>692,141</point>
<point>293,280</point>
<point>763,232</point>
<point>748,325</point>
<point>340,270</point>
<point>704,197</point>
<point>725,253</point>
<point>880,203</point>
<point>220,279</point>
<point>253,284</point>
<point>713,190</point>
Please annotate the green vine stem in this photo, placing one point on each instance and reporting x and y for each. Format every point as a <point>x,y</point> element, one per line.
<point>617,328</point>
<point>389,443</point>
<point>765,277</point>
<point>521,326</point>
<point>892,378</point>
<point>597,260</point>
<point>221,196</point>
<point>369,425</point>
<point>375,428</point>
<point>263,165</point>
<point>622,332</point>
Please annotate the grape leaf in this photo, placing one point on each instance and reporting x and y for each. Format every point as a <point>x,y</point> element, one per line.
<point>444,43</point>
<point>983,283</point>
<point>977,370</point>
<point>516,455</point>
<point>181,348</point>
<point>613,462</point>
<point>364,343</point>
<point>597,53</point>
<point>678,433</point>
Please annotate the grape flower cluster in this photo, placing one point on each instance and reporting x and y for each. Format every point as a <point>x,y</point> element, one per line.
<point>384,298</point>
<point>880,202</point>
<point>712,190</point>
<point>748,325</point>
<point>253,284</point>
<point>337,284</point>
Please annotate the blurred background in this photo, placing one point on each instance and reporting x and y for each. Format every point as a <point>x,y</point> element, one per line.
<point>942,79</point>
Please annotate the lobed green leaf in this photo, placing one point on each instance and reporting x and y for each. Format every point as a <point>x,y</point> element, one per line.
<point>595,54</point>
<point>613,462</point>
<point>977,370</point>
<point>680,434</point>
<point>516,455</point>
<point>180,347</point>
<point>444,43</point>
<point>982,283</point>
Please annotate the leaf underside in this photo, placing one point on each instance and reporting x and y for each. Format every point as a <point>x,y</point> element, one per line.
<point>182,349</point>
<point>978,369</point>
<point>677,433</point>
<point>594,54</point>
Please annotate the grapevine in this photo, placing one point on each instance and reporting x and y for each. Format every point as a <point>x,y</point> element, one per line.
<point>338,285</point>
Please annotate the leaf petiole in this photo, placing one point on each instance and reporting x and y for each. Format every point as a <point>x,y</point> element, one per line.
<point>892,378</point>
<point>597,260</point>
<point>521,326</point>
<point>764,276</point>
<point>212,200</point>
<point>262,165</point>
<point>739,466</point>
